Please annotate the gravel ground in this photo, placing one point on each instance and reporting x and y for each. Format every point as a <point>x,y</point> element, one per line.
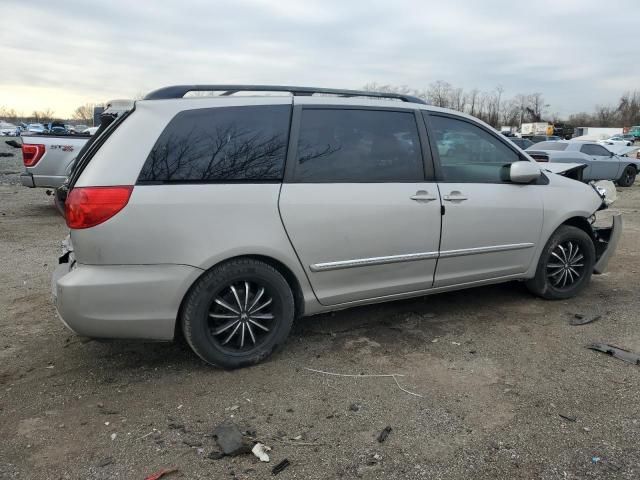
<point>495,368</point>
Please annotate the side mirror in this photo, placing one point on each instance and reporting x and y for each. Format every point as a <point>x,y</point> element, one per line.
<point>524,172</point>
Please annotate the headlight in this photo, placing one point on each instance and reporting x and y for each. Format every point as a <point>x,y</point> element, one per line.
<point>606,190</point>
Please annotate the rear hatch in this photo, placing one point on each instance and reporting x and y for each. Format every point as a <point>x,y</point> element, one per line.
<point>110,120</point>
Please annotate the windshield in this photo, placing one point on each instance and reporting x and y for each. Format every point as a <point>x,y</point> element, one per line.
<point>548,146</point>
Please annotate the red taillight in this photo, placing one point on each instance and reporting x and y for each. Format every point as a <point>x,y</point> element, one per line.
<point>32,153</point>
<point>90,206</point>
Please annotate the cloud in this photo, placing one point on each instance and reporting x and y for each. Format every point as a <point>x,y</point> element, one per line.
<point>577,53</point>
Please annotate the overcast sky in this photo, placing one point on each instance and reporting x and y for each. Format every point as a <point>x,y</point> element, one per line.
<point>60,54</point>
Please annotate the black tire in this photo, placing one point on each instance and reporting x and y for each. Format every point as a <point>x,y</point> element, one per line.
<point>210,305</point>
<point>548,281</point>
<point>628,177</point>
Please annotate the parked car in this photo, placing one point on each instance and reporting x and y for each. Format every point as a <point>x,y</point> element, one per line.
<point>36,128</point>
<point>616,140</point>
<point>600,163</point>
<point>8,129</point>
<point>90,130</point>
<point>523,143</point>
<point>227,217</point>
<point>542,138</point>
<point>635,131</point>
<point>627,136</point>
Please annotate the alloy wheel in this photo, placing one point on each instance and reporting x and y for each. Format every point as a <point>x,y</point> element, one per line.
<point>566,265</point>
<point>241,316</point>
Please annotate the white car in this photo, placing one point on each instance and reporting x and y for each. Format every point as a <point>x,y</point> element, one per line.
<point>8,129</point>
<point>36,128</point>
<point>90,130</point>
<point>616,140</point>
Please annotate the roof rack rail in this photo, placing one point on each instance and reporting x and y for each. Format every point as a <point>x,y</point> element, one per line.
<point>179,91</point>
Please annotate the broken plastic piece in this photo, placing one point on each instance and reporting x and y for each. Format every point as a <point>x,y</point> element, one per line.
<point>581,320</point>
<point>161,473</point>
<point>567,417</point>
<point>280,467</point>
<point>617,352</point>
<point>384,434</point>
<point>260,451</point>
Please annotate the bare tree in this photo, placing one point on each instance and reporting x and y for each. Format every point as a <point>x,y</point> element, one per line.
<point>84,113</point>
<point>439,93</point>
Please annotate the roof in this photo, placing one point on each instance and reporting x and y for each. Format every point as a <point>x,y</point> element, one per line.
<point>179,91</point>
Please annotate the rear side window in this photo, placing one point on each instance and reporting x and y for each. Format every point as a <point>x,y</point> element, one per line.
<point>595,150</point>
<point>358,146</point>
<point>230,144</point>
<point>550,146</point>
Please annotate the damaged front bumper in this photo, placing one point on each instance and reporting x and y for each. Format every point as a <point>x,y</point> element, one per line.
<point>606,241</point>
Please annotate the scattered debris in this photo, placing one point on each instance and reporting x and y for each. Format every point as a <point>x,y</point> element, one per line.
<point>567,417</point>
<point>355,407</point>
<point>232,408</point>
<point>586,429</point>
<point>192,443</point>
<point>377,456</point>
<point>6,154</point>
<point>215,455</point>
<point>456,343</point>
<point>280,467</point>
<point>260,451</point>
<point>362,375</point>
<point>230,439</point>
<point>161,473</point>
<point>617,352</point>
<point>177,426</point>
<point>581,320</point>
<point>384,434</point>
<point>595,459</point>
<point>113,436</point>
<point>13,143</point>
<point>105,461</point>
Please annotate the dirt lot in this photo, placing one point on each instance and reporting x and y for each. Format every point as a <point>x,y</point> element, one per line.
<point>494,366</point>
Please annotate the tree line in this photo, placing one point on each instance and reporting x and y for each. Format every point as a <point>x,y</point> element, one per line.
<point>496,109</point>
<point>82,114</point>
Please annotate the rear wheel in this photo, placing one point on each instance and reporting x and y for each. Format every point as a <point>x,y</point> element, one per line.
<point>238,313</point>
<point>565,265</point>
<point>628,177</point>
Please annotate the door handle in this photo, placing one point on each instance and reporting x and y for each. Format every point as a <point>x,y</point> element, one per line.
<point>423,196</point>
<point>455,196</point>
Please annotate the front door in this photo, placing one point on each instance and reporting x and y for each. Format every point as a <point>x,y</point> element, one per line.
<point>603,165</point>
<point>490,226</point>
<point>355,204</point>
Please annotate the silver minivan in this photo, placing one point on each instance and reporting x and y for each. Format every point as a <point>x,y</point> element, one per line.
<point>226,217</point>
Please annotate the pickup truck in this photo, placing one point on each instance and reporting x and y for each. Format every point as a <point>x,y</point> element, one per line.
<point>48,159</point>
<point>599,162</point>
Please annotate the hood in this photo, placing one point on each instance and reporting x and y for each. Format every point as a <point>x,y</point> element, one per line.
<point>569,170</point>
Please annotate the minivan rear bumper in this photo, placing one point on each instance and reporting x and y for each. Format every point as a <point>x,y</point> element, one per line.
<point>121,301</point>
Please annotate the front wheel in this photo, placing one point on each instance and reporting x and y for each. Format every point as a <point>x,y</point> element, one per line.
<point>238,313</point>
<point>565,265</point>
<point>628,177</point>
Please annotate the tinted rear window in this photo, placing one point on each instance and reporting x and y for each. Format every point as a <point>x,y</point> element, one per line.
<point>358,146</point>
<point>230,144</point>
<point>549,146</point>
